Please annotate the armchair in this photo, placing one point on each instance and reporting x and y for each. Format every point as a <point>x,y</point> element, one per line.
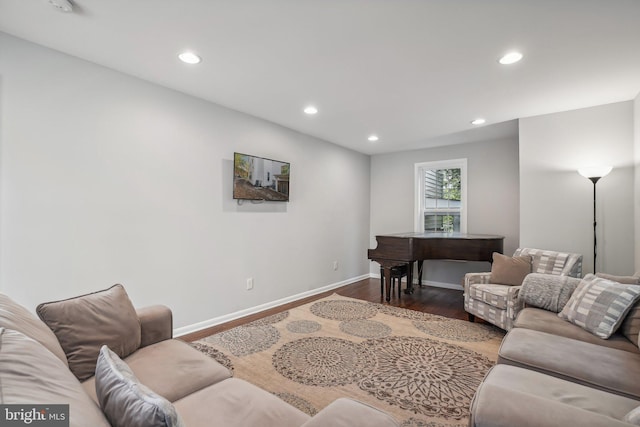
<point>499,304</point>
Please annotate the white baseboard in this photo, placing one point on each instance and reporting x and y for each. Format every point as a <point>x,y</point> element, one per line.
<point>178,332</point>
<point>445,285</point>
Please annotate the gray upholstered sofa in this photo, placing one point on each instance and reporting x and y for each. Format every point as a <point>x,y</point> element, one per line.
<point>54,363</point>
<point>551,372</point>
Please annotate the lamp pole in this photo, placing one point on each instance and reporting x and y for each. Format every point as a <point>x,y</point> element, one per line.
<point>594,174</point>
<point>595,180</point>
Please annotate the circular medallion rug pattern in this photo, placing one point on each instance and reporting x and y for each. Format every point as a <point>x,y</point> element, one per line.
<point>365,328</point>
<point>425,376</point>
<point>322,361</point>
<point>245,340</point>
<point>303,326</point>
<point>270,320</point>
<point>343,310</point>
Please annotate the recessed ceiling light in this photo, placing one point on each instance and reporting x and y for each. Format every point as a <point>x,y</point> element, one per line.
<point>310,110</point>
<point>510,58</point>
<point>373,138</point>
<point>478,121</point>
<point>189,58</point>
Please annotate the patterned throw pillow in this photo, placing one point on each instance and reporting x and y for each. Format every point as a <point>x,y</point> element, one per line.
<point>600,305</point>
<point>125,401</point>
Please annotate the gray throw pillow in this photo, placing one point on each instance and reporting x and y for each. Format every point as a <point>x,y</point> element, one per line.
<point>600,305</point>
<point>83,324</point>
<point>548,291</point>
<point>126,402</point>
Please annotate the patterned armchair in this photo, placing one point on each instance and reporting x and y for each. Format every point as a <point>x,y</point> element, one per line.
<point>499,304</point>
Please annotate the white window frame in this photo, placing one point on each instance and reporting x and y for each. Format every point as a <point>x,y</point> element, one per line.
<point>419,190</point>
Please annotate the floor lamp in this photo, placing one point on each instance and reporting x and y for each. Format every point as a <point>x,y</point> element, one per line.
<point>594,174</point>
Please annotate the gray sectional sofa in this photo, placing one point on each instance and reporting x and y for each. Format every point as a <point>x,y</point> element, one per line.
<point>551,372</point>
<point>54,363</point>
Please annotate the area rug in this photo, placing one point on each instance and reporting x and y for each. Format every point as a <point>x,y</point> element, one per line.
<point>421,368</point>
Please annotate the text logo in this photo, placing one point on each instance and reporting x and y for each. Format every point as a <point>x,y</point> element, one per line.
<point>34,415</point>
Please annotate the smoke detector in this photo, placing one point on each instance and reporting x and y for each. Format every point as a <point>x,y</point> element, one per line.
<point>62,5</point>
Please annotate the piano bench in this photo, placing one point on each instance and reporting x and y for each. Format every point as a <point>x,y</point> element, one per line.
<point>397,272</point>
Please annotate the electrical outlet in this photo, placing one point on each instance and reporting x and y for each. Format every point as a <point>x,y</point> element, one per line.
<point>335,265</point>
<point>250,283</point>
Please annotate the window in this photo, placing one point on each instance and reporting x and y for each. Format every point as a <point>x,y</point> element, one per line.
<point>441,190</point>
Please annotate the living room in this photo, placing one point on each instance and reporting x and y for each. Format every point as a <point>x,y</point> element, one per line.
<point>108,178</point>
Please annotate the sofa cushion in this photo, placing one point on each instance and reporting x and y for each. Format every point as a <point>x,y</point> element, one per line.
<point>171,368</point>
<point>506,270</point>
<point>612,370</point>
<point>18,318</point>
<point>494,295</point>
<point>234,402</point>
<point>547,321</point>
<point>345,412</point>
<point>511,396</point>
<point>600,305</point>
<point>125,401</point>
<point>547,291</point>
<point>31,374</point>
<point>83,324</point>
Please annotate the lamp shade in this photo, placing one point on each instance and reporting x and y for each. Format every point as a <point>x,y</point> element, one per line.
<point>595,171</point>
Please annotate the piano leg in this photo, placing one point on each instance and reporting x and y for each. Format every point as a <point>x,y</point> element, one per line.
<point>409,289</point>
<point>420,270</point>
<point>387,282</point>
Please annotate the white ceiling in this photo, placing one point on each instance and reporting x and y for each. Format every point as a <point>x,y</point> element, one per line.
<point>415,72</point>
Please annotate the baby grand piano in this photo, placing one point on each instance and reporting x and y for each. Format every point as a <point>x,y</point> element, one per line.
<point>395,250</point>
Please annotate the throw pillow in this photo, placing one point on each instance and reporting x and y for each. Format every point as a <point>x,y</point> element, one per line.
<point>83,324</point>
<point>511,271</point>
<point>630,327</point>
<point>126,402</point>
<point>633,417</point>
<point>600,305</point>
<point>547,291</point>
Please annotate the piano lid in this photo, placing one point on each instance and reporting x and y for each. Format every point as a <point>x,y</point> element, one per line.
<point>440,235</point>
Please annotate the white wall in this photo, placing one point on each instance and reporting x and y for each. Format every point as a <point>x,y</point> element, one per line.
<point>107,178</point>
<point>556,204</point>
<point>636,192</point>
<point>492,197</point>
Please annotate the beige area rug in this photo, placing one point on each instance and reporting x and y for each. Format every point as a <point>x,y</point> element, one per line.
<point>421,368</point>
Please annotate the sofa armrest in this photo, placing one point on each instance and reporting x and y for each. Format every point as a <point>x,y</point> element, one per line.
<point>474,279</point>
<point>156,324</point>
<point>345,412</point>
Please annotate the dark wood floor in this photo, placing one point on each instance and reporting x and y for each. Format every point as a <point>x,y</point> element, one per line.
<point>444,302</point>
